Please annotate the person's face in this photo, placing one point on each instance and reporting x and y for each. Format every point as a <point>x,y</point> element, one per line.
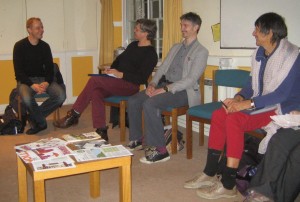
<point>138,33</point>
<point>261,38</point>
<point>188,29</point>
<point>36,30</point>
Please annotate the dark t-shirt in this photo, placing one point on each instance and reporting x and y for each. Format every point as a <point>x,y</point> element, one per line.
<point>32,61</point>
<point>136,63</point>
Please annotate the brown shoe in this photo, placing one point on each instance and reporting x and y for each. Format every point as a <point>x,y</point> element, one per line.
<point>67,121</point>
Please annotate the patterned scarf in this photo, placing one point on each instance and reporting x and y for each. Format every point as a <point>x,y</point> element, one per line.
<point>277,69</point>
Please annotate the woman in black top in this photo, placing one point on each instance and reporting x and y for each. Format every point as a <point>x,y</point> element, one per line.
<point>130,69</point>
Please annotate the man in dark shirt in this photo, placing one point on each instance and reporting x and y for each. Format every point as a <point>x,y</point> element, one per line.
<point>34,71</point>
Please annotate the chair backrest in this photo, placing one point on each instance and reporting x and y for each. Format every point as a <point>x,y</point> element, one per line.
<point>235,78</point>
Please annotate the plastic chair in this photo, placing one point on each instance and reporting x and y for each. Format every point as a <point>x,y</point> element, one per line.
<point>175,112</point>
<point>235,78</point>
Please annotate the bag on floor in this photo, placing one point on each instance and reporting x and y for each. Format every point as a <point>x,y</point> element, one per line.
<point>9,123</point>
<point>168,138</point>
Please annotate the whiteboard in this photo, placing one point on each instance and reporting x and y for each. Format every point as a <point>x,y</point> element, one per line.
<point>238,18</point>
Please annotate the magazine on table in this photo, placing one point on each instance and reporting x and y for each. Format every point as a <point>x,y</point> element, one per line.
<point>62,162</point>
<point>101,153</point>
<point>81,137</point>
<point>90,144</point>
<point>44,153</point>
<point>42,143</point>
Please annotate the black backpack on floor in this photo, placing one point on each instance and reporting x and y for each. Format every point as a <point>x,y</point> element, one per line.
<point>9,123</point>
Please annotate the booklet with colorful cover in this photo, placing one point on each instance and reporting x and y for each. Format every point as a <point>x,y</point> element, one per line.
<point>81,137</point>
<point>39,154</point>
<point>62,162</point>
<point>42,143</point>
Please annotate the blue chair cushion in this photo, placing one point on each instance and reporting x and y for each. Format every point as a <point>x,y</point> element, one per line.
<point>116,99</point>
<point>43,95</point>
<point>204,111</point>
<point>169,109</point>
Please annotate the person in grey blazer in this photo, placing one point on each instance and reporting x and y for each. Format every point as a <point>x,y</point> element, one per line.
<point>175,84</point>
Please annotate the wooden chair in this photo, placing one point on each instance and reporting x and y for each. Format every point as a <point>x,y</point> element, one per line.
<point>175,112</point>
<point>235,78</point>
<point>41,98</point>
<point>121,103</point>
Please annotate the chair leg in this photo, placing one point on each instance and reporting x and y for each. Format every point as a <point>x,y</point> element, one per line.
<point>122,120</point>
<point>201,134</point>
<point>174,131</point>
<point>19,108</point>
<point>189,138</point>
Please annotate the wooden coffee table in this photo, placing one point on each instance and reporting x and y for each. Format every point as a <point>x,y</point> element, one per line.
<point>91,167</point>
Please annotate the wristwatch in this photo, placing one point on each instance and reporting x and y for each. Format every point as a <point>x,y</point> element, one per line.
<point>166,88</point>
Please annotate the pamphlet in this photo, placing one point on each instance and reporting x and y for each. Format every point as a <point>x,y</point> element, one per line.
<point>287,120</point>
<point>54,164</point>
<point>81,137</point>
<point>101,153</point>
<point>90,144</point>
<point>42,143</point>
<point>38,154</point>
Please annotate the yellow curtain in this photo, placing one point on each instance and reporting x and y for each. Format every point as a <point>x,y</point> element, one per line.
<point>171,28</point>
<point>106,33</point>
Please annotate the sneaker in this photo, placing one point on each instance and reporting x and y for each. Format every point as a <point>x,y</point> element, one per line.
<point>199,181</point>
<point>254,196</point>
<point>134,145</point>
<point>153,156</point>
<point>216,191</point>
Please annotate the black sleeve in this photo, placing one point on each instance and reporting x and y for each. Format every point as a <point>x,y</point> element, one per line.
<point>18,60</point>
<point>48,62</point>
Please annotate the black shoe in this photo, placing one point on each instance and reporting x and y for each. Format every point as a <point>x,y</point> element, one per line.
<point>103,133</point>
<point>35,130</point>
<point>67,121</point>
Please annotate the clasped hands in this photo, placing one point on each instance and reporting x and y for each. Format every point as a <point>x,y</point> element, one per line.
<point>152,91</point>
<point>40,88</point>
<point>235,105</point>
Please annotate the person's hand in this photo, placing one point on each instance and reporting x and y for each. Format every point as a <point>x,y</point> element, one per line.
<point>295,112</point>
<point>115,72</point>
<point>157,92</point>
<point>234,106</point>
<point>44,85</point>
<point>149,90</point>
<point>37,88</point>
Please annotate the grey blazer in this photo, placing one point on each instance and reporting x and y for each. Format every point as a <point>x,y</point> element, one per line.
<point>194,66</point>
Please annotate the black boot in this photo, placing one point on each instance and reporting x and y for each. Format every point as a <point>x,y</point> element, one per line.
<point>103,133</point>
<point>67,121</point>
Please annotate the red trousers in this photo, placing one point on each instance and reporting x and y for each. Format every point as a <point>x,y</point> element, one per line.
<point>229,129</point>
<point>98,88</point>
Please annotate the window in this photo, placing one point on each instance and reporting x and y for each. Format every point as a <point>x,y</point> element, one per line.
<point>150,9</point>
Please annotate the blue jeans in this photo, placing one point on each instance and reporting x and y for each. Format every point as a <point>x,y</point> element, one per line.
<point>38,114</point>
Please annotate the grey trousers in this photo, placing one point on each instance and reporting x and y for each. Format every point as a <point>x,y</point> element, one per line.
<point>38,114</point>
<point>152,108</point>
<point>278,174</point>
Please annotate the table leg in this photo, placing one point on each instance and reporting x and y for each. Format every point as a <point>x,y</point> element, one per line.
<point>22,181</point>
<point>39,191</point>
<point>95,184</point>
<point>125,183</point>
